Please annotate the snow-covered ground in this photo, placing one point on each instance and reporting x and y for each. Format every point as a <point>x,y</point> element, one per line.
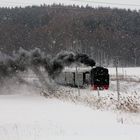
<point>27,115</point>
<point>128,74</point>
<point>131,71</point>
<point>32,117</point>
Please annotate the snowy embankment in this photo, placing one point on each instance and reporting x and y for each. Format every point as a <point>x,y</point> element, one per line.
<point>33,117</point>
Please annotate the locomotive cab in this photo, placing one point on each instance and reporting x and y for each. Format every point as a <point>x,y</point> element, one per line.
<point>99,78</point>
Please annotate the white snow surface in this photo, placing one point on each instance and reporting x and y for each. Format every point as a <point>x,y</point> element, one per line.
<point>131,71</point>
<point>33,117</point>
<point>27,115</point>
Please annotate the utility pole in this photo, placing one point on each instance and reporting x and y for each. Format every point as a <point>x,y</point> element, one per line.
<point>117,79</point>
<point>98,92</point>
<point>77,81</point>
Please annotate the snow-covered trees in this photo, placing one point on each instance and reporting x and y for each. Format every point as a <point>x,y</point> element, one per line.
<point>102,33</point>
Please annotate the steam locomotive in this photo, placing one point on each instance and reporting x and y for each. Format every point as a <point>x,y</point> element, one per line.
<point>96,77</point>
<point>99,78</point>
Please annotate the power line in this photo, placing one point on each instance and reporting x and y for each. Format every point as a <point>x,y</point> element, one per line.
<point>96,2</point>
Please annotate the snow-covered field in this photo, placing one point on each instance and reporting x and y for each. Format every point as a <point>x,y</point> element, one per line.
<point>132,71</point>
<point>27,115</point>
<point>127,74</point>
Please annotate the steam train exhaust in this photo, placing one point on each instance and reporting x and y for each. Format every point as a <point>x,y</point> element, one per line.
<point>23,60</point>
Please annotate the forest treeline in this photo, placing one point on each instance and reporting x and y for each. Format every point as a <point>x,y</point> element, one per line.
<point>103,33</point>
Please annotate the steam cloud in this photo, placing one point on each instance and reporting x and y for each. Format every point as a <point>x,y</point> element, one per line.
<point>22,60</point>
<point>65,58</point>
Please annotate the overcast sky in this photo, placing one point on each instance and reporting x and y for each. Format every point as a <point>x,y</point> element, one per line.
<point>131,4</point>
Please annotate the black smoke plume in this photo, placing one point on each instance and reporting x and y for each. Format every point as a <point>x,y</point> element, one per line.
<point>61,60</point>
<point>65,58</point>
<point>84,58</point>
<point>11,65</point>
<point>23,60</point>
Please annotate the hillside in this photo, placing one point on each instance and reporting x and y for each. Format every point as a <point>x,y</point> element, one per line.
<point>102,33</point>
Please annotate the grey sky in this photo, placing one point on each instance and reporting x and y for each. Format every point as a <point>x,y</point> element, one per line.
<point>132,4</point>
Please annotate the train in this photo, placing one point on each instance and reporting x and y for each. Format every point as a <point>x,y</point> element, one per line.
<point>97,77</point>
